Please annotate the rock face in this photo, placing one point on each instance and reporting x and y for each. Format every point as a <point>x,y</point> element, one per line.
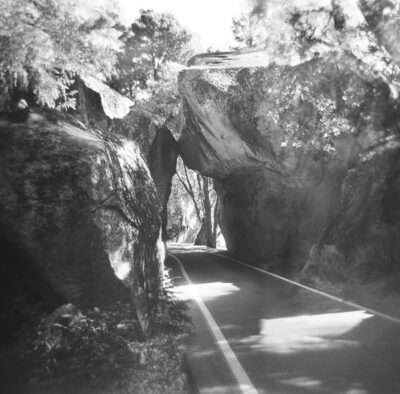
<point>363,238</point>
<point>103,108</point>
<point>112,104</point>
<point>162,162</point>
<point>79,215</point>
<point>281,141</point>
<point>158,147</point>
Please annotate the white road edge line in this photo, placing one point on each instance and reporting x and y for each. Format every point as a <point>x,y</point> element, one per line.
<point>321,293</point>
<point>244,382</point>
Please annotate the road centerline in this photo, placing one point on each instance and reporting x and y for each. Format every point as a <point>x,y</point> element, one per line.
<point>315,291</point>
<point>243,380</point>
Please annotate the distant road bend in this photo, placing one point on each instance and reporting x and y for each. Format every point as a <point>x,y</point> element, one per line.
<point>258,333</point>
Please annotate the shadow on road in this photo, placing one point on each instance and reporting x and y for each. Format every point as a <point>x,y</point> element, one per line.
<point>289,341</point>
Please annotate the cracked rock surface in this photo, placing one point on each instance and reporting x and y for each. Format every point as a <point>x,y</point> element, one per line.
<point>288,147</point>
<point>79,217</point>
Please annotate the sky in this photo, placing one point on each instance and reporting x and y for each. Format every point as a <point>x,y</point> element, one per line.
<point>209,20</point>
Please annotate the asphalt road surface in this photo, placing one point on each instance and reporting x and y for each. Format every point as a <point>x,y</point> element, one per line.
<point>259,334</point>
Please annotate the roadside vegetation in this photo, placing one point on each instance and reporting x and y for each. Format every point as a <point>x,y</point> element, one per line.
<point>100,350</point>
<point>46,47</point>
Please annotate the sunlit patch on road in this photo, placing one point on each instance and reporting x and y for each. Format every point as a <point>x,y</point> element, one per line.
<point>276,343</point>
<point>306,333</point>
<point>317,386</point>
<point>207,291</point>
<point>302,381</point>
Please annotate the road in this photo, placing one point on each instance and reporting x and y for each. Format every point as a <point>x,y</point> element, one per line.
<point>274,337</point>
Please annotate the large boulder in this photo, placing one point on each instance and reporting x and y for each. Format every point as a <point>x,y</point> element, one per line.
<point>103,108</point>
<point>280,140</point>
<point>362,241</point>
<point>79,217</point>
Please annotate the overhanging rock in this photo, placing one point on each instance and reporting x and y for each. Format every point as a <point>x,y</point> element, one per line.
<point>280,140</point>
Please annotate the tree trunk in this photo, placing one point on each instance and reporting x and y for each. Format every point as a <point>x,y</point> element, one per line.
<point>189,189</point>
<point>207,214</point>
<point>82,102</point>
<point>338,15</point>
<point>201,235</point>
<point>144,286</point>
<point>215,223</point>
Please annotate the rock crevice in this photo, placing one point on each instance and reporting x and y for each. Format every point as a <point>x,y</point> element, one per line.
<point>82,210</point>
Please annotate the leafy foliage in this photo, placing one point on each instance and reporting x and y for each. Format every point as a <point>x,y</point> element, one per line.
<point>170,313</point>
<point>45,43</point>
<point>94,345</point>
<point>318,112</point>
<point>351,35</point>
<point>163,98</point>
<point>107,349</point>
<point>155,45</point>
<point>383,19</point>
<point>248,29</point>
<point>264,24</point>
<point>163,372</point>
<point>192,208</point>
<point>291,32</point>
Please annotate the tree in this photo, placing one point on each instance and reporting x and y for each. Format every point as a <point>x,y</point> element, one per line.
<point>366,35</point>
<point>367,30</point>
<point>383,18</point>
<point>248,28</point>
<point>293,32</point>
<point>210,235</point>
<point>263,25</point>
<point>204,199</point>
<point>158,39</point>
<point>44,44</point>
<point>152,43</point>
